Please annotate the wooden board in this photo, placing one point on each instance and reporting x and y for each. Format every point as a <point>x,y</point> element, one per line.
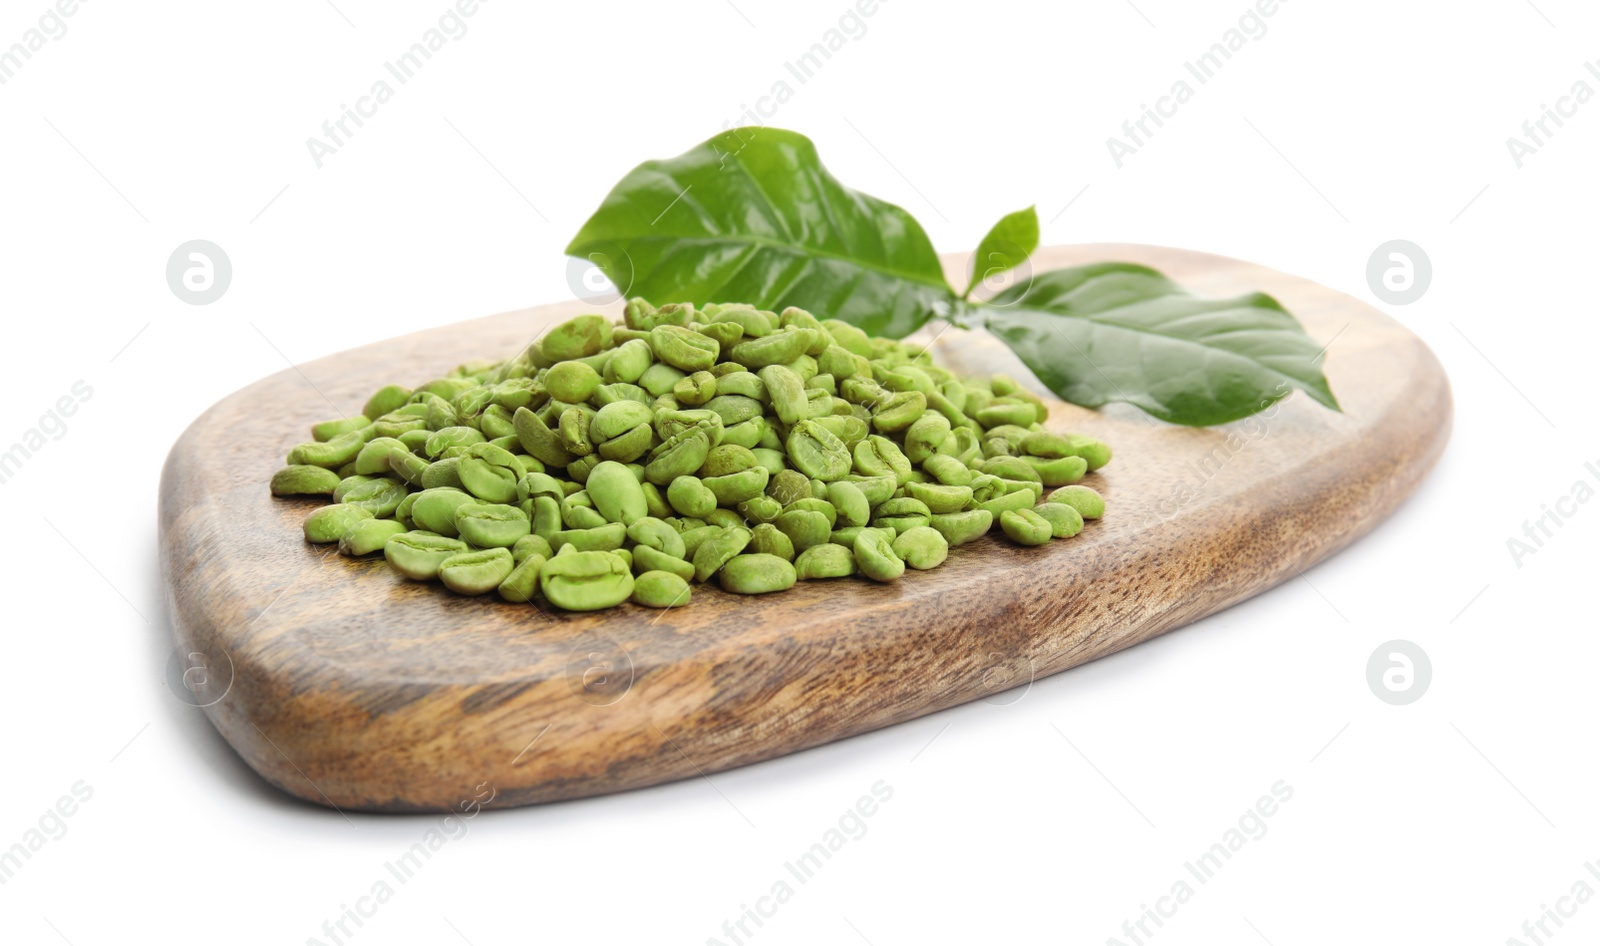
<point>355,688</point>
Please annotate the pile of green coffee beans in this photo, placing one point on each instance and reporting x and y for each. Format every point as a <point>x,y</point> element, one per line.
<point>610,463</point>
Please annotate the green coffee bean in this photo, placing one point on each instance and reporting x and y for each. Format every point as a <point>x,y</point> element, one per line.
<point>986,487</point>
<point>939,498</point>
<point>397,425</point>
<point>476,573</point>
<point>496,424</point>
<point>771,459</point>
<point>787,486</point>
<point>490,473</point>
<point>639,314</point>
<point>571,381</point>
<point>756,574</point>
<point>659,589</point>
<point>332,454</point>
<point>368,536</point>
<point>962,444</point>
<point>681,454</point>
<point>578,512</point>
<point>1087,501</point>
<point>728,459</point>
<point>578,470</point>
<point>531,545</point>
<point>442,473</point>
<point>849,337</point>
<point>734,409</point>
<point>660,378</point>
<point>880,456</point>
<point>735,488</point>
<point>655,501</point>
<point>516,392</point>
<point>409,467</point>
<point>572,427</point>
<point>522,585</point>
<point>546,516</point>
<point>657,534</point>
<point>690,497</point>
<point>327,430</point>
<point>373,460</point>
<point>303,479</point>
<point>441,414</point>
<point>1094,452</point>
<point>925,435</point>
<point>329,523</point>
<point>616,493</point>
<point>777,348</point>
<point>850,503</point>
<point>962,527</point>
<point>877,489</point>
<point>766,538</point>
<point>694,534</point>
<point>828,560</point>
<point>1006,411</point>
<point>696,389</point>
<point>907,378</point>
<point>747,434</point>
<point>1006,502</point>
<point>492,525</point>
<point>1048,444</point>
<point>435,509</point>
<point>714,551</point>
<point>621,431</point>
<point>402,513</point>
<point>540,484</point>
<point>786,391</point>
<point>816,505</point>
<point>1026,527</point>
<point>380,494</point>
<point>847,536</point>
<point>629,361</point>
<point>875,556</point>
<point>1058,472</point>
<point>901,514</point>
<point>948,469</point>
<point>585,581</point>
<point>738,380</point>
<point>386,399</point>
<point>1010,468</point>
<point>921,547</point>
<point>646,558</point>
<point>755,322</point>
<point>816,452</point>
<point>1004,440</point>
<point>1065,521</point>
<point>539,440</point>
<point>804,528</point>
<point>847,427</point>
<point>603,538</point>
<point>899,411</point>
<point>418,554</point>
<point>442,440</point>
<point>682,349</point>
<point>576,338</point>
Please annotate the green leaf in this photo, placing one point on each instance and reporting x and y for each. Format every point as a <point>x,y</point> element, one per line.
<point>751,215</point>
<point>1122,332</point>
<point>1007,244</point>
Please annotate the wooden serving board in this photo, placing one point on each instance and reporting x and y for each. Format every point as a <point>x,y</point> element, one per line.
<point>356,688</point>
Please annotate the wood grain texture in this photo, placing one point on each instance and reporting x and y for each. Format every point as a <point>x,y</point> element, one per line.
<point>356,688</point>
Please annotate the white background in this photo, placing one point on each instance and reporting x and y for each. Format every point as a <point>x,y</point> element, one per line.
<point>1346,125</point>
